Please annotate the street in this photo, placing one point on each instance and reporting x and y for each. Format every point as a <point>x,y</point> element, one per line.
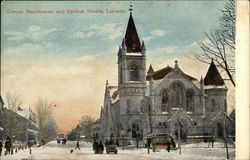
<point>62,152</point>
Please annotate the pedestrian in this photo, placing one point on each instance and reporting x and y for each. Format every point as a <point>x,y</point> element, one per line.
<point>77,145</point>
<point>95,147</point>
<point>168,146</point>
<point>173,142</point>
<point>7,145</point>
<point>43,142</point>
<point>1,145</point>
<point>101,147</point>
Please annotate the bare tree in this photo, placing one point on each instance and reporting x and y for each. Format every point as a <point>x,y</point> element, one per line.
<point>45,121</point>
<point>86,123</point>
<point>13,101</point>
<point>220,42</point>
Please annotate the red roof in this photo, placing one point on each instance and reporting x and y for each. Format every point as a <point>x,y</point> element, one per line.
<point>160,74</point>
<point>132,40</point>
<point>213,76</point>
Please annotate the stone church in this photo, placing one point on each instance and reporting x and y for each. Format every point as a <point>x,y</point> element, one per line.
<point>149,102</point>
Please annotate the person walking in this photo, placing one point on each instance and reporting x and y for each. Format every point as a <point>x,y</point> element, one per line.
<point>77,145</point>
<point>1,145</point>
<point>95,147</point>
<point>43,142</point>
<point>168,146</point>
<point>7,145</point>
<point>101,147</point>
<point>173,142</point>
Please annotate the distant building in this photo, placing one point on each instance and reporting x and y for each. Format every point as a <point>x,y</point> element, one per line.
<point>20,125</point>
<point>151,102</point>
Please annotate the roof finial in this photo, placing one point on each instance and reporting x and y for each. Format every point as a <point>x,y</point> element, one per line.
<point>131,8</point>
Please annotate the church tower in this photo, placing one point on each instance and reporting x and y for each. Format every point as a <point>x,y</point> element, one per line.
<point>131,70</point>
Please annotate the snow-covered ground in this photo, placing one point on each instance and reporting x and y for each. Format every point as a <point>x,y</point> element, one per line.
<point>54,151</point>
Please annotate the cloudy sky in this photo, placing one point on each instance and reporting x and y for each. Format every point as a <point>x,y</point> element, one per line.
<point>67,57</point>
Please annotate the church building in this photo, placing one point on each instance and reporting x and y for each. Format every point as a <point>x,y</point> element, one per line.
<point>148,101</point>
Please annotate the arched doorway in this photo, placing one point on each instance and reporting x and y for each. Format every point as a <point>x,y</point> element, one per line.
<point>136,131</point>
<point>220,130</point>
<point>184,129</point>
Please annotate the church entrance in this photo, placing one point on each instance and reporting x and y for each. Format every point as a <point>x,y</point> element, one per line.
<point>220,130</point>
<point>136,131</point>
<point>183,130</point>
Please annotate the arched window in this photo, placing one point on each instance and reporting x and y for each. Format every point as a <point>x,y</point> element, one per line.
<point>190,101</point>
<point>177,95</point>
<point>164,101</point>
<point>134,75</point>
<point>212,105</point>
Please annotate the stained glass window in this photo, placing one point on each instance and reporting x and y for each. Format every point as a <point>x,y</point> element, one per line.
<point>164,101</point>
<point>190,101</point>
<point>177,95</point>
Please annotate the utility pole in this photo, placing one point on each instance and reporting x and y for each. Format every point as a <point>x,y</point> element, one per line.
<point>122,142</point>
<point>179,135</point>
<point>212,136</point>
<point>225,137</point>
<point>148,144</point>
<point>137,146</point>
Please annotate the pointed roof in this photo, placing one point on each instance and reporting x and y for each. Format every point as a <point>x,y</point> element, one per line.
<point>150,70</point>
<point>132,40</point>
<point>143,46</point>
<point>213,76</point>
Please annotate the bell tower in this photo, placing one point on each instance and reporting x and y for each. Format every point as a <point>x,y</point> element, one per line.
<point>131,69</point>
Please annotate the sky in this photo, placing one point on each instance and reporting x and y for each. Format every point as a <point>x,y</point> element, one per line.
<point>66,57</point>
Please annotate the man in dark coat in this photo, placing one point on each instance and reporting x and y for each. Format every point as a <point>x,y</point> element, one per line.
<point>8,144</point>
<point>173,142</point>
<point>1,145</point>
<point>95,146</point>
<point>168,146</point>
<point>101,147</point>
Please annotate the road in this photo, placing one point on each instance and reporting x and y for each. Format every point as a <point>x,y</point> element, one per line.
<point>54,151</point>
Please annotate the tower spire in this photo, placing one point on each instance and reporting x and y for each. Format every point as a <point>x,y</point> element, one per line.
<point>131,8</point>
<point>132,40</point>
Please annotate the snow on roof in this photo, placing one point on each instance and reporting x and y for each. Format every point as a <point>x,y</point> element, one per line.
<point>215,87</point>
<point>23,113</point>
<point>115,96</point>
<point>114,93</point>
<point>134,54</point>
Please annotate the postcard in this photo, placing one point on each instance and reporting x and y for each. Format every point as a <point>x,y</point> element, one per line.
<point>121,80</point>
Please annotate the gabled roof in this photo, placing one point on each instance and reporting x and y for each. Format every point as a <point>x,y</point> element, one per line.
<point>160,74</point>
<point>132,40</point>
<point>213,76</point>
